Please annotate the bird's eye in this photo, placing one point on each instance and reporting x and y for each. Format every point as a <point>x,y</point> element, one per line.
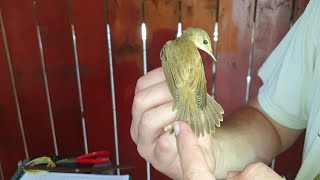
<point>205,42</point>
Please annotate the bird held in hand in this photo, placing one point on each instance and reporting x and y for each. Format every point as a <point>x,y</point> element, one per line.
<point>184,72</point>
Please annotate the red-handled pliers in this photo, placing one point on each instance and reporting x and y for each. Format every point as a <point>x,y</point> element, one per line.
<point>97,157</point>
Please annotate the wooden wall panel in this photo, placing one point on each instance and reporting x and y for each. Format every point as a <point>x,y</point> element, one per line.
<point>90,29</point>
<point>299,7</point>
<point>1,172</point>
<point>56,37</point>
<point>289,162</point>
<point>125,26</point>
<point>273,20</point>
<point>235,30</point>
<point>161,19</point>
<point>18,17</point>
<point>201,13</point>
<point>11,142</point>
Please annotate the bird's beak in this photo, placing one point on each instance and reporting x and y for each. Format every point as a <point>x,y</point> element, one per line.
<point>211,54</point>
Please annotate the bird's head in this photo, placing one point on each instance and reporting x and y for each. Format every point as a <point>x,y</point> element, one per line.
<point>200,38</point>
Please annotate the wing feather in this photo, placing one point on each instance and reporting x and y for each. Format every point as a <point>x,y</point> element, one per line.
<point>198,82</point>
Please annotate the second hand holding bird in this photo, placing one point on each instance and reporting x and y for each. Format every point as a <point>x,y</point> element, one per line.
<point>184,72</point>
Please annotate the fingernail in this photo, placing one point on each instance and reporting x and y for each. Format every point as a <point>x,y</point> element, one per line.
<point>231,174</point>
<point>176,128</point>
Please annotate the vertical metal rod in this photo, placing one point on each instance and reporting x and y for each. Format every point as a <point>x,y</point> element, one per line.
<point>6,47</point>
<point>75,51</point>
<point>114,109</point>
<point>145,67</point>
<point>253,35</point>
<point>44,73</point>
<point>144,47</point>
<point>85,140</point>
<point>273,163</point>
<point>1,172</point>
<point>179,29</point>
<point>145,70</point>
<point>215,43</point>
<point>247,97</point>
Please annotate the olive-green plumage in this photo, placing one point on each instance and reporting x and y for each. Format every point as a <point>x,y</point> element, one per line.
<point>184,72</point>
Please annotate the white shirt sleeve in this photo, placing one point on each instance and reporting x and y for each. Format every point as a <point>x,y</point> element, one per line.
<point>288,71</point>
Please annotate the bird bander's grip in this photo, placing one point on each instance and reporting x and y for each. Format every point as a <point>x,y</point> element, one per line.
<point>184,72</point>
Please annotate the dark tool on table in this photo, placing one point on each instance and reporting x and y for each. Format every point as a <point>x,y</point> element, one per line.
<point>78,170</point>
<point>97,157</point>
<point>95,162</point>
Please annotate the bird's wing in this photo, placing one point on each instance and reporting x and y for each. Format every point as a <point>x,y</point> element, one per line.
<point>176,75</point>
<point>198,82</point>
<point>182,64</point>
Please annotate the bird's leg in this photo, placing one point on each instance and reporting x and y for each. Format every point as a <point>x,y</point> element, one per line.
<point>169,128</point>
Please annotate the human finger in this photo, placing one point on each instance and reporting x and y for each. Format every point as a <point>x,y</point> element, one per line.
<point>153,121</point>
<point>257,170</point>
<point>165,152</point>
<point>193,163</point>
<point>145,100</point>
<point>151,78</point>
<point>151,128</point>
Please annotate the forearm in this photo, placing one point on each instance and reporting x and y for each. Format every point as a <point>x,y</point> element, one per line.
<point>245,136</point>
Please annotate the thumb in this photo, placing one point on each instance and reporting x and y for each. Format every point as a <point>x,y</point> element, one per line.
<point>257,170</point>
<point>193,163</point>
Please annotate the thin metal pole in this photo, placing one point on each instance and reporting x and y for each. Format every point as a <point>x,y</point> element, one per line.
<point>14,86</point>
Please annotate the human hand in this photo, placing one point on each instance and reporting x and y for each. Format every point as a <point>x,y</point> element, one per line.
<point>194,166</point>
<point>151,112</point>
<point>193,163</point>
<point>257,170</point>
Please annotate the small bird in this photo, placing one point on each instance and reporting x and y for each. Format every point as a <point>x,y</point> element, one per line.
<point>184,72</point>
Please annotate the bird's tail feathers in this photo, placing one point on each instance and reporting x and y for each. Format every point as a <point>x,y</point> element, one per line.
<point>200,121</point>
